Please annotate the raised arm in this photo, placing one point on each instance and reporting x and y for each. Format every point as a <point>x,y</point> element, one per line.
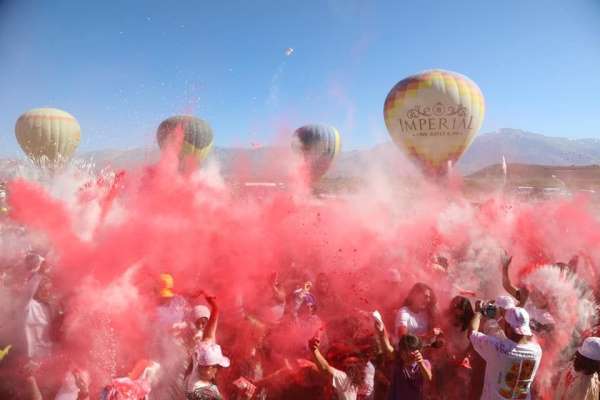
<point>424,366</point>
<point>82,385</point>
<point>321,362</point>
<point>506,283</point>
<point>384,341</point>
<point>210,333</point>
<point>277,289</point>
<point>520,294</point>
<point>34,390</point>
<point>476,320</point>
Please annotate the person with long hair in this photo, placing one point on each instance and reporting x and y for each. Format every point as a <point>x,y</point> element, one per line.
<point>418,314</point>
<point>580,379</point>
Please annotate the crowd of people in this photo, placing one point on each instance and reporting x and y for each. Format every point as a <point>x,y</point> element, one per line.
<point>296,339</point>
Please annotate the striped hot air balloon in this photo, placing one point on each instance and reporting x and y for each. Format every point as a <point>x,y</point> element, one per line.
<point>48,136</point>
<point>434,116</point>
<point>197,135</point>
<point>319,145</point>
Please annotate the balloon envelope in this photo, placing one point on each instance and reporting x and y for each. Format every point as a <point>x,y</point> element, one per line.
<point>197,135</point>
<point>48,135</point>
<point>434,116</point>
<point>319,145</point>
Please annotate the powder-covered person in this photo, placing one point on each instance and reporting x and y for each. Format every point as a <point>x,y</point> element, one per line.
<point>411,372</point>
<point>579,380</point>
<point>348,379</point>
<point>511,362</point>
<point>206,361</point>
<point>418,314</point>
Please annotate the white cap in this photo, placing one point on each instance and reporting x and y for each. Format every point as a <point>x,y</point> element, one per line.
<point>209,354</point>
<point>518,319</point>
<point>201,311</point>
<point>505,302</point>
<point>590,348</point>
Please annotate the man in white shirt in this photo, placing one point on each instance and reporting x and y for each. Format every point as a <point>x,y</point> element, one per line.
<point>511,363</point>
<point>38,319</point>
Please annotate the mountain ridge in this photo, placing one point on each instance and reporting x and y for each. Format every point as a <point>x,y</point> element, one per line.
<point>515,145</point>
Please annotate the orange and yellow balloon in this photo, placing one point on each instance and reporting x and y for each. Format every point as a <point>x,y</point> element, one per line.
<point>48,136</point>
<point>434,116</point>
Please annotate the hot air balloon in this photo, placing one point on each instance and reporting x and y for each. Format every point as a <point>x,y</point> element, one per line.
<point>197,135</point>
<point>434,116</point>
<point>319,145</point>
<point>48,136</point>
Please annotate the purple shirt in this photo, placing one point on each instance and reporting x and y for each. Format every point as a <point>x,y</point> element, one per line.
<point>407,382</point>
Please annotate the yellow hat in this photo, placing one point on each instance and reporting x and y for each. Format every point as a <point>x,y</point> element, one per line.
<point>167,289</point>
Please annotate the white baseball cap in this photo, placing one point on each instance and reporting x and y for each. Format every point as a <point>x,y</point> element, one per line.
<point>505,302</point>
<point>201,311</point>
<point>208,354</point>
<point>518,319</point>
<point>590,348</point>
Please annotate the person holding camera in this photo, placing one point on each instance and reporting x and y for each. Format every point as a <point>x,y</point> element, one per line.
<point>511,362</point>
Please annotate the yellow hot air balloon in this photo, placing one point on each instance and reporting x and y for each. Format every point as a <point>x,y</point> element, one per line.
<point>197,135</point>
<point>48,136</point>
<point>434,116</point>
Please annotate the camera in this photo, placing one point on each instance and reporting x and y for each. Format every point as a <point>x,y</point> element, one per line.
<point>488,309</point>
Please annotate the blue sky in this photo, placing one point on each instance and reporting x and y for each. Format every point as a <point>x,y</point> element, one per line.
<point>122,66</point>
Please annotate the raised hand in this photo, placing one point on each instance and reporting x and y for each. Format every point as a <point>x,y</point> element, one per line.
<point>313,343</point>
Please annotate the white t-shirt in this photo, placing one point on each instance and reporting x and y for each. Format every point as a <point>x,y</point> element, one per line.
<point>37,329</point>
<point>207,387</point>
<point>510,367</point>
<point>367,388</point>
<point>344,388</point>
<point>416,323</point>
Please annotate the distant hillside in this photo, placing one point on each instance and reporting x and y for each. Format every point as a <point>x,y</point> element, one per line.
<point>517,146</point>
<point>541,176</point>
<point>528,148</point>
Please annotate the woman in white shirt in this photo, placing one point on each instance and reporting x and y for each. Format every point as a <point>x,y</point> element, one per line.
<point>418,313</point>
<point>580,379</point>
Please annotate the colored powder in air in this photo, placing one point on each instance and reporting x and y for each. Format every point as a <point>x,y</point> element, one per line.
<point>111,236</point>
